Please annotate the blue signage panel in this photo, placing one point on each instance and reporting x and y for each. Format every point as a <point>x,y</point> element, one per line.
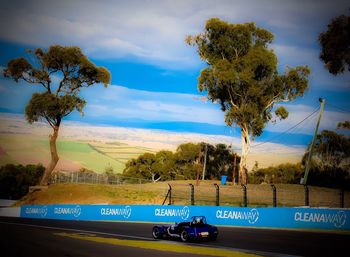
<point>291,218</point>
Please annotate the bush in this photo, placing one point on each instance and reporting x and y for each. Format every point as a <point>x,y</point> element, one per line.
<point>281,174</point>
<point>15,180</point>
<point>334,178</point>
<point>292,173</point>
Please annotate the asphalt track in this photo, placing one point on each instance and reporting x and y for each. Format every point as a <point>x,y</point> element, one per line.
<point>33,237</point>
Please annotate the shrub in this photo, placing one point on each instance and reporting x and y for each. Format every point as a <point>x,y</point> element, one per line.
<point>15,180</point>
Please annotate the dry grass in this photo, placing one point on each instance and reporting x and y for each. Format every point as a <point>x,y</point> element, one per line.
<point>205,194</point>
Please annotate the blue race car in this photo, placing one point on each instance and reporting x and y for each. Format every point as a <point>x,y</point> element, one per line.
<point>195,229</point>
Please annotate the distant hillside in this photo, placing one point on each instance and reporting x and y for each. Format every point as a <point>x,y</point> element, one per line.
<point>91,155</point>
<point>96,147</point>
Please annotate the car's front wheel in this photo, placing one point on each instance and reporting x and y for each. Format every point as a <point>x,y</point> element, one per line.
<point>156,233</point>
<point>184,236</point>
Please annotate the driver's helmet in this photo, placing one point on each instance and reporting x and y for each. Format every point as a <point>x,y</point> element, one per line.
<point>198,220</point>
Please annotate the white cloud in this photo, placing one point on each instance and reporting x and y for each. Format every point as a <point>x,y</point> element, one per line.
<point>152,31</point>
<point>124,103</point>
<point>320,77</point>
<point>121,103</point>
<point>295,55</point>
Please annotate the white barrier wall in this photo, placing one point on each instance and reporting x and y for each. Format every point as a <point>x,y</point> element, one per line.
<point>10,212</point>
<point>290,218</point>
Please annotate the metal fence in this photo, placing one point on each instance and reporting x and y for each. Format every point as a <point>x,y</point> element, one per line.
<point>257,196</point>
<point>211,193</point>
<point>94,178</point>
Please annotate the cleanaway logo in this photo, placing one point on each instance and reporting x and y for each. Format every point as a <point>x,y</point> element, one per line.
<point>125,211</point>
<point>184,213</point>
<point>75,211</point>
<point>251,216</point>
<point>41,211</point>
<point>337,219</point>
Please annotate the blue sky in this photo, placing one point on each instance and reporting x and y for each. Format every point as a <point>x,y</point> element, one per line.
<point>154,73</point>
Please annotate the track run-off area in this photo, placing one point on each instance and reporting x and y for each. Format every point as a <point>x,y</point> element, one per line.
<point>48,237</point>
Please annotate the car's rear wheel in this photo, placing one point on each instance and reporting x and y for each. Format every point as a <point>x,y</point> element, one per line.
<point>184,236</point>
<point>156,233</point>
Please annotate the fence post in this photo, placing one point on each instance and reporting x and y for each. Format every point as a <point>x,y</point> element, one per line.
<point>306,188</point>
<point>274,195</point>
<point>341,197</point>
<point>217,194</point>
<point>192,193</point>
<point>244,195</point>
<point>170,195</point>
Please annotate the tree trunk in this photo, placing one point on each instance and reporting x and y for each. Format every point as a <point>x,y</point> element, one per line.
<point>54,158</point>
<point>234,170</point>
<point>243,171</point>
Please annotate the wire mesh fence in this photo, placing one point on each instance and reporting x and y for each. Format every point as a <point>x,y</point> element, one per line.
<point>213,193</point>
<point>94,178</point>
<point>257,195</point>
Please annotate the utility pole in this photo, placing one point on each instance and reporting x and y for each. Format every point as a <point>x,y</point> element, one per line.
<point>307,167</point>
<point>205,160</point>
<point>199,165</point>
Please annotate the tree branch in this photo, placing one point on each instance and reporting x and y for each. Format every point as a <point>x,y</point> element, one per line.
<point>231,100</point>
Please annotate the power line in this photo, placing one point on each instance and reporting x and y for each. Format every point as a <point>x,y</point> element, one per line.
<point>338,108</point>
<point>291,128</point>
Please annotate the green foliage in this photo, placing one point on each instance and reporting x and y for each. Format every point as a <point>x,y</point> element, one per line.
<point>281,112</point>
<point>52,108</point>
<point>281,174</point>
<point>185,163</point>
<point>334,178</point>
<point>242,73</point>
<point>331,151</point>
<point>330,160</point>
<point>16,179</point>
<point>74,70</point>
<point>109,171</point>
<point>344,125</point>
<point>220,162</point>
<point>335,44</point>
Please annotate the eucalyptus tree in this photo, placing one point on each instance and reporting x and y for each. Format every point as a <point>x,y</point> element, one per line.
<point>335,49</point>
<point>335,45</point>
<point>61,72</point>
<point>331,151</point>
<point>241,74</point>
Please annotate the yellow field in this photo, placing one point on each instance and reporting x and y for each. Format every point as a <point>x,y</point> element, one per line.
<point>95,156</point>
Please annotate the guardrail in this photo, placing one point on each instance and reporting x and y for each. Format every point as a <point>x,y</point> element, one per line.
<point>283,218</point>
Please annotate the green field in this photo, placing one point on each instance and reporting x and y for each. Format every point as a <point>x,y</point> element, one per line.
<point>95,156</point>
<point>119,152</point>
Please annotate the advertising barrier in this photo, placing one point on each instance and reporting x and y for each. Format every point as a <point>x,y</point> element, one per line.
<point>289,218</point>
